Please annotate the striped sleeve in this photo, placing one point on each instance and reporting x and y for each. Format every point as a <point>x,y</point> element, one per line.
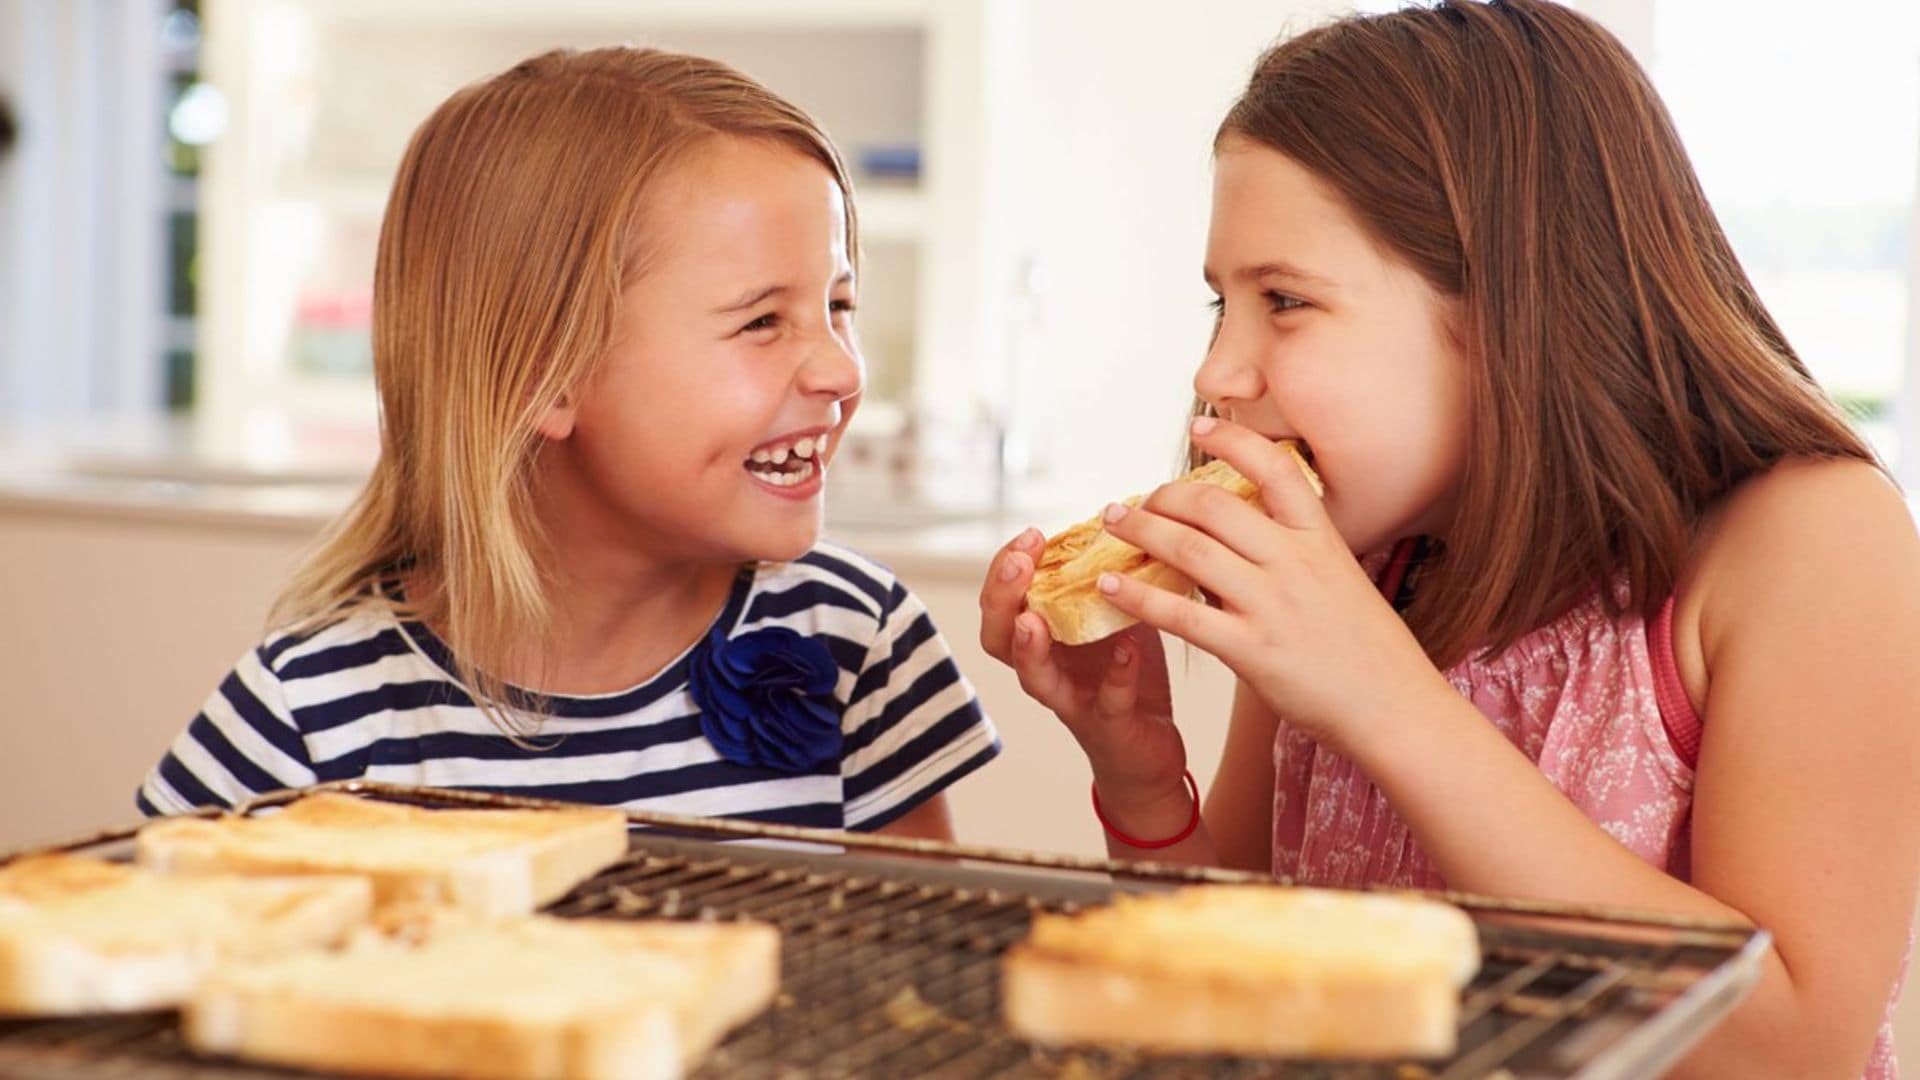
<point>243,743</point>
<point>913,724</point>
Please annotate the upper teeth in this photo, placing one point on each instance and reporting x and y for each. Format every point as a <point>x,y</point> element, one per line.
<point>804,448</point>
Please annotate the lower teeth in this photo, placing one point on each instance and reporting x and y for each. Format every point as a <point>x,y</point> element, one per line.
<point>785,479</point>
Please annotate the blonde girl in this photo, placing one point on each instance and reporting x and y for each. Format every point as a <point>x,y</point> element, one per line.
<point>615,352</point>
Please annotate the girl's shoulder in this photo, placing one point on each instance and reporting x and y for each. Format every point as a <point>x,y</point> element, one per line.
<point>1803,514</point>
<point>1805,533</point>
<point>348,636</point>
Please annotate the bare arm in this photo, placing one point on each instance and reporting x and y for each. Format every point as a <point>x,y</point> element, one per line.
<point>931,820</point>
<point>1240,802</point>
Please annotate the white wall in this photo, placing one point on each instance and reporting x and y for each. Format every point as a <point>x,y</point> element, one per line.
<point>1118,105</point>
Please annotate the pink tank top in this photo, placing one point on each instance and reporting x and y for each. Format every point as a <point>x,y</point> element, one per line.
<point>1593,699</point>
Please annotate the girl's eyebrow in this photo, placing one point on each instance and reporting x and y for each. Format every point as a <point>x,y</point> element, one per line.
<point>1284,270</point>
<point>752,298</point>
<point>769,292</point>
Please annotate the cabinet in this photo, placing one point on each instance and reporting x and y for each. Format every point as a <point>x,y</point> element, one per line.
<point>188,591</point>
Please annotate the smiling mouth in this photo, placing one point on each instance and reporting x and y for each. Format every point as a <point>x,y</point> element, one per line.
<point>785,464</point>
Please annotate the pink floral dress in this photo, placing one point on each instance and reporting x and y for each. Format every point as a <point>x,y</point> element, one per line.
<point>1593,699</point>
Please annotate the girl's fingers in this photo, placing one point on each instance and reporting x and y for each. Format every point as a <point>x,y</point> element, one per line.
<point>1004,593</point>
<point>1119,690</point>
<point>1040,675</point>
<point>1189,620</point>
<point>1284,489</point>
<point>1241,527</point>
<point>1211,564</point>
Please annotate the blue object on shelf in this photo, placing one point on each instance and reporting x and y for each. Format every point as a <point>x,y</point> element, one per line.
<point>890,162</point>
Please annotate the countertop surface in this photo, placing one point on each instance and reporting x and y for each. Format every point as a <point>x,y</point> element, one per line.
<point>163,473</point>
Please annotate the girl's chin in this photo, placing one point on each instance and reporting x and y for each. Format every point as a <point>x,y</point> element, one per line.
<point>784,544</point>
<point>786,554</point>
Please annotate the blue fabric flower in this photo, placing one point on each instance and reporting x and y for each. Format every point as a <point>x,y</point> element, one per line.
<point>766,698</point>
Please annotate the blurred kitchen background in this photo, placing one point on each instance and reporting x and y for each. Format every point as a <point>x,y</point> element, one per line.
<point>187,224</point>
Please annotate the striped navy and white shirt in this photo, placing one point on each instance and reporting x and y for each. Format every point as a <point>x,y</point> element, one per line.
<point>372,697</point>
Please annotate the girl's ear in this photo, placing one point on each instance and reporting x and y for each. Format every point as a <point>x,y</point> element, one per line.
<point>557,422</point>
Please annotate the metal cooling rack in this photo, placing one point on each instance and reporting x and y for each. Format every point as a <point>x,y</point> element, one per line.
<point>890,963</point>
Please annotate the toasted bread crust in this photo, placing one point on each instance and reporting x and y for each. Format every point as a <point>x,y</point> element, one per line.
<point>81,935</point>
<point>1065,590</point>
<point>499,862</point>
<point>1264,970</point>
<point>624,998</point>
<point>338,1036</point>
<point>1057,1002</point>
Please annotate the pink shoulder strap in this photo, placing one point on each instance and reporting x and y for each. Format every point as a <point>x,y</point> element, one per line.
<point>1394,574</point>
<point>1676,712</point>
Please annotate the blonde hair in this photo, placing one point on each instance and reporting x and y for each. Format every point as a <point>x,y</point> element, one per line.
<point>509,236</point>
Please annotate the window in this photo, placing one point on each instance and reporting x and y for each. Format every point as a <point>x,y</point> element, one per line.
<point>1804,125</point>
<point>1805,131</point>
<point>195,116</point>
<point>82,218</point>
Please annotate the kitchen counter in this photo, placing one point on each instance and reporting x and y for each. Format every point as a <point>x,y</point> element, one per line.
<point>160,474</point>
<point>164,472</point>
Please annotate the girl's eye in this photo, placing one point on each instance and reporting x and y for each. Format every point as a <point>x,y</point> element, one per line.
<point>1277,303</point>
<point>841,307</point>
<point>764,322</point>
<point>1280,303</point>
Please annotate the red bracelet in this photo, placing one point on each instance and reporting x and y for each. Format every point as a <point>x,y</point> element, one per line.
<point>1193,823</point>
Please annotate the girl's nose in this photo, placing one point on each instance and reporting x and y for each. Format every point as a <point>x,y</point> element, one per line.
<point>1228,376</point>
<point>834,369</point>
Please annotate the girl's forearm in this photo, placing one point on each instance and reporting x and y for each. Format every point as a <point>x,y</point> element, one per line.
<point>1154,816</point>
<point>1531,841</point>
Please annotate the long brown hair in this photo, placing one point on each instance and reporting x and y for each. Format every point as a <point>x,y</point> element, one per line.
<point>1624,374</point>
<point>509,237</point>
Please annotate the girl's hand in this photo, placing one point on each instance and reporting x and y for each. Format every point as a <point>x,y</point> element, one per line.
<point>1299,622</point>
<point>1112,695</point>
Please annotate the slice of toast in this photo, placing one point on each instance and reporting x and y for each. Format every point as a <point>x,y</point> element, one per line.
<point>1065,591</point>
<point>496,862</point>
<point>81,935</point>
<point>445,994</point>
<point>1255,970</point>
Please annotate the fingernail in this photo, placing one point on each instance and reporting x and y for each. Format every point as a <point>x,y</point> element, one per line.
<point>1109,583</point>
<point>1009,569</point>
<point>1122,655</point>
<point>1022,631</point>
<point>1203,424</point>
<point>1031,538</point>
<point>1114,512</point>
